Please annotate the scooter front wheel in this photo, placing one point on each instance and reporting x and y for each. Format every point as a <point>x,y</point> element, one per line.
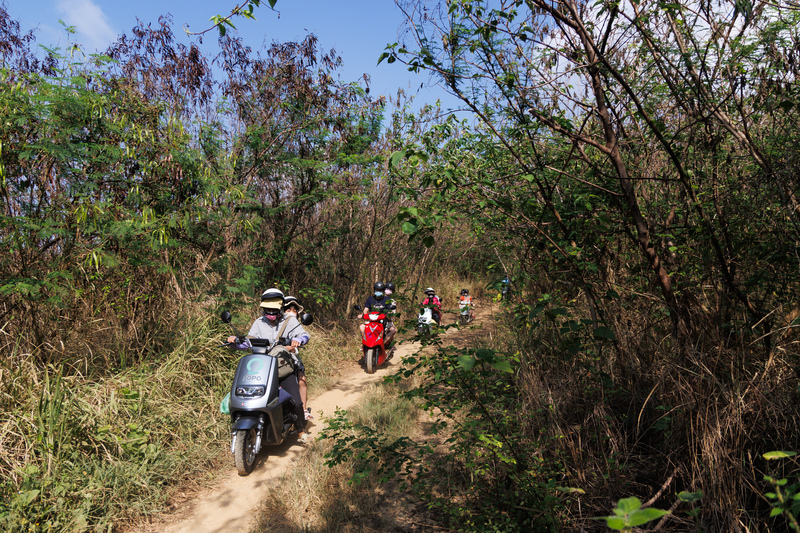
<point>244,454</point>
<point>371,359</point>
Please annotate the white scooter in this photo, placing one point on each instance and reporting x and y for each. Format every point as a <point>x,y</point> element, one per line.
<point>425,321</point>
<point>465,312</point>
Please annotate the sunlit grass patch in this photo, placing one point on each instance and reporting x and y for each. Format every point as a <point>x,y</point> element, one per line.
<point>313,496</point>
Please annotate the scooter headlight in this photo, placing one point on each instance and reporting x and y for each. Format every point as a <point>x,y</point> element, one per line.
<point>374,316</point>
<point>254,391</point>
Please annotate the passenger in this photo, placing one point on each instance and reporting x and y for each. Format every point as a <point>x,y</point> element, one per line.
<point>291,307</point>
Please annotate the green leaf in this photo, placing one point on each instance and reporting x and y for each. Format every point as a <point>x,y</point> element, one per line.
<point>614,522</point>
<point>502,365</point>
<point>642,516</point>
<point>410,228</point>
<point>629,505</point>
<point>396,157</point>
<point>690,497</point>
<point>778,455</point>
<point>604,333</point>
<point>571,490</point>
<point>466,362</point>
<point>28,497</point>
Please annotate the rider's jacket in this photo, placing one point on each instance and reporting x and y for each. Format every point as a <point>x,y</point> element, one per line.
<point>262,329</point>
<point>382,305</point>
<point>435,301</point>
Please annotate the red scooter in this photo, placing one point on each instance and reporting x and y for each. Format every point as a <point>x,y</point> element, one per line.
<point>374,351</point>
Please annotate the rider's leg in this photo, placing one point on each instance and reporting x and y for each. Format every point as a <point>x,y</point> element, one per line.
<point>390,333</point>
<point>291,386</point>
<point>363,328</point>
<point>303,386</point>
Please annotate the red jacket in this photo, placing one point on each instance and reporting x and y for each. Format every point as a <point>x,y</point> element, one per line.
<point>436,302</point>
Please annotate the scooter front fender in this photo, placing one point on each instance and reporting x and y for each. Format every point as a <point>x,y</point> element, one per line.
<point>245,422</point>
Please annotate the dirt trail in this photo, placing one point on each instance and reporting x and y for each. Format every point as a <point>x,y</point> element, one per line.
<point>230,505</point>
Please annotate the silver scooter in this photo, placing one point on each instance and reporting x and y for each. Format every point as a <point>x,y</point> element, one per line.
<point>261,411</point>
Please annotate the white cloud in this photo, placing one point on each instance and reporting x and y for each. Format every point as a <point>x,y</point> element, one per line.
<point>92,25</point>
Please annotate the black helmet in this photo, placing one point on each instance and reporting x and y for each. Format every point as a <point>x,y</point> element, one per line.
<point>464,291</point>
<point>379,286</point>
<point>390,286</point>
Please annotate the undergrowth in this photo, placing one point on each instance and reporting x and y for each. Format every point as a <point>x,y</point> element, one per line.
<point>347,497</point>
<point>94,454</point>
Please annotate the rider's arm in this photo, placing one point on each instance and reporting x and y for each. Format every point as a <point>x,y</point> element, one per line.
<point>233,345</point>
<point>300,340</point>
<point>296,333</point>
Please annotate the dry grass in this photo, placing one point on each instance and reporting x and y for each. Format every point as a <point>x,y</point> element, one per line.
<point>314,497</point>
<point>127,439</point>
<point>645,421</point>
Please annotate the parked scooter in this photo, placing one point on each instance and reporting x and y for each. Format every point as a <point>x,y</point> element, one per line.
<point>261,411</point>
<point>375,353</point>
<point>425,321</point>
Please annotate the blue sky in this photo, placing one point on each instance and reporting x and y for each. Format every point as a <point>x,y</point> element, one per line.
<point>358,30</point>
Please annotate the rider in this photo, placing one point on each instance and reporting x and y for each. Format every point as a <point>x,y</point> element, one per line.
<point>466,300</point>
<point>436,303</point>
<point>378,301</point>
<point>292,307</point>
<point>272,324</point>
<point>505,287</point>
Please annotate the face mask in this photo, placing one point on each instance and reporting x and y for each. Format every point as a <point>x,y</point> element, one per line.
<point>271,315</point>
<point>388,292</point>
<point>378,295</point>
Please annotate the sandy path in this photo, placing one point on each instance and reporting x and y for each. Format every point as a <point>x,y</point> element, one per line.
<point>230,506</point>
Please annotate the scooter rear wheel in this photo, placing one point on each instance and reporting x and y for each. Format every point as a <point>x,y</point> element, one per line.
<point>244,454</point>
<point>371,360</point>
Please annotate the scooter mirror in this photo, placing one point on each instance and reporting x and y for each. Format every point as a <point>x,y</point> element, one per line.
<point>306,319</point>
<point>226,317</point>
<point>357,307</point>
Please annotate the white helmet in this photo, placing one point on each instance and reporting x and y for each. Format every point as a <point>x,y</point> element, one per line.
<point>272,299</point>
